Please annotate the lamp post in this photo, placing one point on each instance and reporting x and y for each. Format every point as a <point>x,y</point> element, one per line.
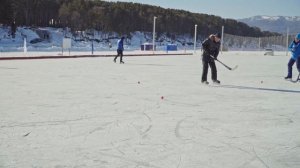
<point>25,46</point>
<point>153,42</point>
<point>259,43</point>
<point>93,42</point>
<point>195,42</point>
<point>222,42</point>
<point>287,42</point>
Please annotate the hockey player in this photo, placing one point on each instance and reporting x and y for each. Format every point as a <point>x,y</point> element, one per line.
<point>295,51</point>
<point>211,47</point>
<point>120,50</point>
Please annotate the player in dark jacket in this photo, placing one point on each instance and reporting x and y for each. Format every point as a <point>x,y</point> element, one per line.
<point>211,47</point>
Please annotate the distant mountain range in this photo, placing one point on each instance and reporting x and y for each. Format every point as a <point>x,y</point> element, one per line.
<point>275,23</point>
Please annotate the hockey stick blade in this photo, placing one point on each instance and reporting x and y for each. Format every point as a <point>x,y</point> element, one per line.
<point>234,68</point>
<point>297,80</point>
<point>226,66</point>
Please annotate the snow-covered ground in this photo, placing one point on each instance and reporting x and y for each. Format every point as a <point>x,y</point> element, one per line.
<point>82,41</point>
<point>152,112</point>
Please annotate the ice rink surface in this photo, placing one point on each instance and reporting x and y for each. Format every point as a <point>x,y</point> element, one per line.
<point>152,112</point>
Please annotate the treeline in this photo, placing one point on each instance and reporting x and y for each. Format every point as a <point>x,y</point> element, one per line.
<point>120,17</point>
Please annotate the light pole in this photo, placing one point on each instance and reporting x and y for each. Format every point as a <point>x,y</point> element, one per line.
<point>259,43</point>
<point>153,42</point>
<point>93,42</point>
<point>287,41</point>
<point>195,42</point>
<point>25,46</point>
<point>222,42</point>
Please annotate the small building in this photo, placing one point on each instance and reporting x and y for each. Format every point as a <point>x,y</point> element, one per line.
<point>171,47</point>
<point>43,34</point>
<point>147,47</point>
<point>269,51</point>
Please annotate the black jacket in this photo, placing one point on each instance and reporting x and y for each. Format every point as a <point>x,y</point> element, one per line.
<point>210,47</point>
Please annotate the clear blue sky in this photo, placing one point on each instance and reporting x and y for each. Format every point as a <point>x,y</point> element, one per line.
<point>235,9</point>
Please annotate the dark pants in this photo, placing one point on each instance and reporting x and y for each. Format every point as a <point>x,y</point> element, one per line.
<point>290,66</point>
<point>213,68</point>
<point>298,64</point>
<point>120,53</point>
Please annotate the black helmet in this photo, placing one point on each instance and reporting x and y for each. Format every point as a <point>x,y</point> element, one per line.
<point>218,35</point>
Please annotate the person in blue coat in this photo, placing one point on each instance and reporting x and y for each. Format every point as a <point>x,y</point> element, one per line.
<point>295,50</point>
<point>120,50</point>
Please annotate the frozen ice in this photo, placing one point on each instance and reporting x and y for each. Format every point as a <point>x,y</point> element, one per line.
<point>91,112</point>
